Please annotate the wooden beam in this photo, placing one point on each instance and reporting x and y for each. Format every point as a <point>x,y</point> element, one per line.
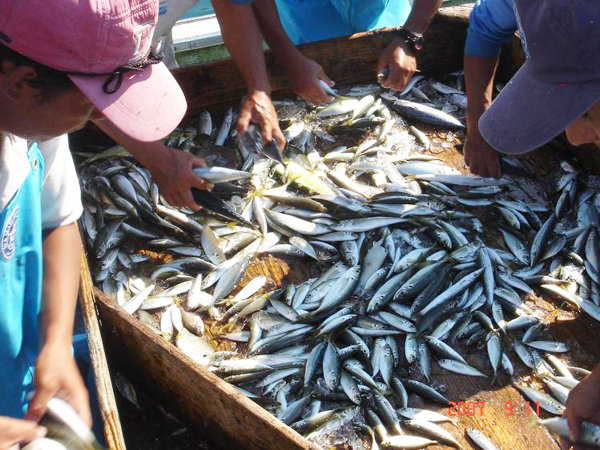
<point>113,434</point>
<point>196,394</point>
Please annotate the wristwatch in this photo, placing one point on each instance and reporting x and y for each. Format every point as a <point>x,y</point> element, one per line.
<point>412,39</point>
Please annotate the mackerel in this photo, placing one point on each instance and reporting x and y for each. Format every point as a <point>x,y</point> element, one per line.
<point>456,289</point>
<point>482,441</point>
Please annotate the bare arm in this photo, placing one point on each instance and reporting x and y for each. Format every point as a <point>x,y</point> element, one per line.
<point>56,373</point>
<point>421,14</point>
<point>479,75</point>
<point>303,73</point>
<point>272,29</point>
<point>242,37</point>
<point>397,56</point>
<point>170,168</point>
<point>15,431</point>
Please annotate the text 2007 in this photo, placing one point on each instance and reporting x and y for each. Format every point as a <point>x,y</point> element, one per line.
<point>461,409</point>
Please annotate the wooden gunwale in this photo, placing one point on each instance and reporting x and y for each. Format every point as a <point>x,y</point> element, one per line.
<point>113,434</point>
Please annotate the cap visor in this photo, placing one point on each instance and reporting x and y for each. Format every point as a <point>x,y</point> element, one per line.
<point>529,113</point>
<point>147,106</point>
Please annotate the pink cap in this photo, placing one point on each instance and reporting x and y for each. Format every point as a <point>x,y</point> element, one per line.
<point>104,47</point>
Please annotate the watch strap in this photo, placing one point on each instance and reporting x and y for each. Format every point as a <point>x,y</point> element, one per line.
<point>412,39</point>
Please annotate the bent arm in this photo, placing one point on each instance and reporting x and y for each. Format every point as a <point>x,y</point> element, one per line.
<point>62,258</point>
<point>421,14</point>
<point>492,23</point>
<point>149,154</point>
<point>479,78</point>
<point>272,29</point>
<point>242,38</point>
<point>56,373</point>
<point>304,73</point>
<point>246,50</point>
<point>171,169</point>
<point>398,57</point>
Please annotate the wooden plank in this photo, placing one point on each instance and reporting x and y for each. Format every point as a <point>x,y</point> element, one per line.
<point>500,413</point>
<point>201,397</point>
<point>113,434</point>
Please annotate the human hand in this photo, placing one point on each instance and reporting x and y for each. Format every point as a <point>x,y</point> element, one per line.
<point>400,61</point>
<point>583,403</point>
<point>257,108</point>
<point>172,170</point>
<point>305,74</point>
<point>481,158</point>
<point>16,431</point>
<point>57,375</point>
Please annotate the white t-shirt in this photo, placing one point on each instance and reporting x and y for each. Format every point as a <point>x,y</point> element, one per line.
<point>61,196</point>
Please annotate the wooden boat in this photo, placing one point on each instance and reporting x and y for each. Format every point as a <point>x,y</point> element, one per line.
<point>204,400</point>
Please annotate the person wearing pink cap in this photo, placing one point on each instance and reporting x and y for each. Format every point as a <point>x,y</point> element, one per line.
<point>60,62</point>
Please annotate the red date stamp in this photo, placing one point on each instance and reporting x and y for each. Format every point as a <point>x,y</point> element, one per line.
<point>462,409</point>
<point>472,409</point>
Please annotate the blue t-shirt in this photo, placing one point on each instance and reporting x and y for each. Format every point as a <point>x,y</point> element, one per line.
<point>21,272</point>
<point>492,24</point>
<point>314,20</point>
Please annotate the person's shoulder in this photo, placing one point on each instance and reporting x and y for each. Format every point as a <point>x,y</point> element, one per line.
<point>11,142</point>
<point>493,14</point>
<point>54,145</point>
<point>14,166</point>
<point>13,153</point>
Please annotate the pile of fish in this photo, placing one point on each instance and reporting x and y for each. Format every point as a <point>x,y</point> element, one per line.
<point>418,264</point>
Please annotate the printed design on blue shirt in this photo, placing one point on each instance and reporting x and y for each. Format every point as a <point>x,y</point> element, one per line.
<point>8,235</point>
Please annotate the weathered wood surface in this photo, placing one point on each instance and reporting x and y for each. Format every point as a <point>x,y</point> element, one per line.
<point>193,392</point>
<point>506,418</point>
<point>113,434</point>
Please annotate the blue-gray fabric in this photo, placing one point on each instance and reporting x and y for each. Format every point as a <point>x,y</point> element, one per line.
<point>492,24</point>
